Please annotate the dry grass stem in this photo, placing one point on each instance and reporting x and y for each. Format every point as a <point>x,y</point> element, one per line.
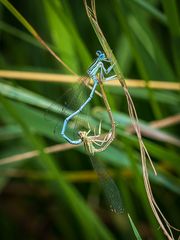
<point>75,176</point>
<point>161,136</point>
<point>165,122</point>
<point>35,153</point>
<point>164,224</point>
<point>64,78</point>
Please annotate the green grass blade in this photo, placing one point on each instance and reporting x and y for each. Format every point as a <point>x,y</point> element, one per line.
<point>136,233</point>
<point>27,25</point>
<point>149,8</point>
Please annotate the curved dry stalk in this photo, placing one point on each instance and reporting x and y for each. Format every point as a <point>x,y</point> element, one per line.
<point>108,108</point>
<point>164,224</point>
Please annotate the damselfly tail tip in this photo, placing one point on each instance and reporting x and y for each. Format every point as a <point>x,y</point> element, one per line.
<point>116,210</point>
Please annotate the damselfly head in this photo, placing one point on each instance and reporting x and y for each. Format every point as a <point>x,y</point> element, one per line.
<point>100,55</point>
<point>82,134</point>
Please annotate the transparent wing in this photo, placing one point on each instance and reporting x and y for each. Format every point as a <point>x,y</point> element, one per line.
<point>109,187</point>
<point>66,104</point>
<point>68,100</point>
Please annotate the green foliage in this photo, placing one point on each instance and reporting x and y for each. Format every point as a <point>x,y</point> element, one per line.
<point>44,201</point>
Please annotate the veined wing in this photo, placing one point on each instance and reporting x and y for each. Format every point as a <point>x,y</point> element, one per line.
<point>66,104</point>
<point>109,187</point>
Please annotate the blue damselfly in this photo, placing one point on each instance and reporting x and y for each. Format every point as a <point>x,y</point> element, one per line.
<point>96,68</point>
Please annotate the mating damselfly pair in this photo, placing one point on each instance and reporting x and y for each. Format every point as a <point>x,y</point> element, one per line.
<point>98,142</point>
<point>97,73</point>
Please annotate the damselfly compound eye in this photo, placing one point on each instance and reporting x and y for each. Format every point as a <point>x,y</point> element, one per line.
<point>102,56</point>
<point>98,53</point>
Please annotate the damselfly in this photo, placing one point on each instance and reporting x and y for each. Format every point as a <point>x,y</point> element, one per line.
<point>97,68</point>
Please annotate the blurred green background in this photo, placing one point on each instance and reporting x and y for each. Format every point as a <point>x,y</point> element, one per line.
<point>57,196</point>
